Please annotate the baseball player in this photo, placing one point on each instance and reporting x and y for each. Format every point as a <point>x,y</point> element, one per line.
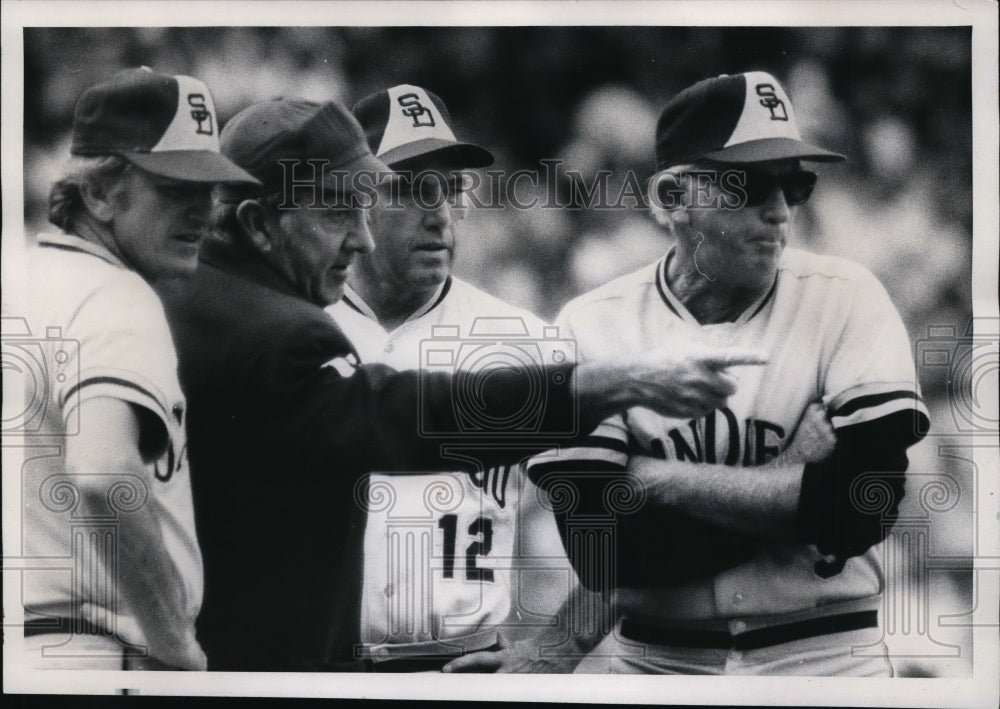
<point>285,421</point>
<point>754,549</point>
<point>447,595</point>
<point>107,493</point>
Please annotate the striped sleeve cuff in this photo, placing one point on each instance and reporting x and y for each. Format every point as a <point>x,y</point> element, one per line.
<point>604,449</point>
<point>870,402</point>
<point>111,384</point>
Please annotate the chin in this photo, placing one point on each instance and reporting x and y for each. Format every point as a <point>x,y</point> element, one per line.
<point>171,271</point>
<point>329,295</point>
<point>762,272</point>
<point>431,278</point>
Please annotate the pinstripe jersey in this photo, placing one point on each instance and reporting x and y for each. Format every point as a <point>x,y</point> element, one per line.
<point>98,330</point>
<point>437,546</point>
<point>832,335</point>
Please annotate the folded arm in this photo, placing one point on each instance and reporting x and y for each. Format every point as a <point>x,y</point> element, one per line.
<point>843,500</point>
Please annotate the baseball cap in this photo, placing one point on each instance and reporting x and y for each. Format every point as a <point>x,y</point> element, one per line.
<point>739,118</point>
<point>164,124</point>
<point>406,121</point>
<point>267,138</point>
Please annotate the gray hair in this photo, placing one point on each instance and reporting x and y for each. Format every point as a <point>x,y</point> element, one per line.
<point>224,225</point>
<point>222,221</point>
<point>65,198</point>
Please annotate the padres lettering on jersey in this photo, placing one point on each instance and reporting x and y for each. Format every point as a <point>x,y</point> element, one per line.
<point>832,335</point>
<point>437,546</point>
<point>717,438</point>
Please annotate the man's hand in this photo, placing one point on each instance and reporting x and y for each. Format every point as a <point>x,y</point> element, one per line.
<point>680,381</point>
<point>813,441</point>
<point>512,657</point>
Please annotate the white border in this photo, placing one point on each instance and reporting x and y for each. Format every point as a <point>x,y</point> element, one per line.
<point>982,690</point>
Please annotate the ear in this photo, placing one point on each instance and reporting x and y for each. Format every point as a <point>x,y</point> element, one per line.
<point>251,218</point>
<point>680,217</point>
<point>102,200</point>
<point>668,200</point>
<point>669,219</point>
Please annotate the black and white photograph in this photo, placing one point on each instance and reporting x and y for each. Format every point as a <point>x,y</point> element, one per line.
<point>444,341</point>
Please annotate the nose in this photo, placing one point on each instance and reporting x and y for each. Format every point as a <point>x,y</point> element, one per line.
<point>437,217</point>
<point>359,236</point>
<point>775,209</point>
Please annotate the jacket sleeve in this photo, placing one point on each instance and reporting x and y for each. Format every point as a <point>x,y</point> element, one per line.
<point>358,418</point>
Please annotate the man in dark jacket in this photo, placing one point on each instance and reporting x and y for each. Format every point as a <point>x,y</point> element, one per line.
<point>285,422</point>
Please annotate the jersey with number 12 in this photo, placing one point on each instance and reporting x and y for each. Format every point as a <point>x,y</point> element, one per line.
<point>438,546</point>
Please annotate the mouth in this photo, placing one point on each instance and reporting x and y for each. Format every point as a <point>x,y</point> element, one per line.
<point>340,269</point>
<point>432,247</point>
<point>766,241</point>
<point>192,237</point>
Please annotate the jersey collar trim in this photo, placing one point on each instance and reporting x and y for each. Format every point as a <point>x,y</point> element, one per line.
<point>72,242</point>
<point>434,301</point>
<point>677,307</point>
<point>356,302</point>
<point>669,299</point>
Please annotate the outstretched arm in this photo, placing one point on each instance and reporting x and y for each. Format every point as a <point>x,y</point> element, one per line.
<point>404,417</point>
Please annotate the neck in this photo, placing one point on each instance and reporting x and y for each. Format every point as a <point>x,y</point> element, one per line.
<point>97,232</point>
<point>391,304</point>
<point>708,298</point>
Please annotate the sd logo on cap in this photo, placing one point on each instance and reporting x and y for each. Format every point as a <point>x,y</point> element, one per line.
<point>740,118</point>
<point>163,124</point>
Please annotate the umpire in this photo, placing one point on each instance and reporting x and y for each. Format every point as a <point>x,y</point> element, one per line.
<point>283,418</point>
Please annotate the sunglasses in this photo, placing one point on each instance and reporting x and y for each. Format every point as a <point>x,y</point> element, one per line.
<point>759,185</point>
<point>430,190</point>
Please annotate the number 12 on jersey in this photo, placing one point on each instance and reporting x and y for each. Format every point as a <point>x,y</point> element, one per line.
<point>481,530</point>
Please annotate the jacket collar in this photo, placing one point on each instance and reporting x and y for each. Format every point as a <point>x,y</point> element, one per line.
<point>246,264</point>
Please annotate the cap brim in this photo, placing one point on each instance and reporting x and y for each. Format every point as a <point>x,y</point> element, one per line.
<point>461,154</point>
<point>192,166</point>
<point>773,149</point>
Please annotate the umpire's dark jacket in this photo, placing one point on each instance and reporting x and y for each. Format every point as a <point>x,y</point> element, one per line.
<point>281,428</point>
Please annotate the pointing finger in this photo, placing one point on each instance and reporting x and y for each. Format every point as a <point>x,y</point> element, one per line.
<point>731,357</point>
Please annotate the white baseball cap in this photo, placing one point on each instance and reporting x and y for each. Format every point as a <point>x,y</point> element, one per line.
<point>164,124</point>
<point>739,118</point>
<point>407,122</point>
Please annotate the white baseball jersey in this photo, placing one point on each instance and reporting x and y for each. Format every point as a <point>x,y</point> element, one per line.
<point>832,335</point>
<point>98,330</point>
<point>438,546</point>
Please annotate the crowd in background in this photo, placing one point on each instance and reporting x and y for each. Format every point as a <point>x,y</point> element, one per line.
<point>897,101</point>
